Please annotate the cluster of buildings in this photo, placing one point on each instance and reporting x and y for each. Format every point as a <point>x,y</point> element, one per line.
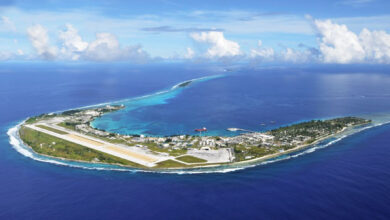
<point>81,120</point>
<point>83,117</point>
<point>87,129</point>
<point>252,138</point>
<point>206,142</point>
<point>293,140</point>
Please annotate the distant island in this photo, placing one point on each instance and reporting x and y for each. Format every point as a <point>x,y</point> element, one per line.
<point>68,135</point>
<point>184,84</point>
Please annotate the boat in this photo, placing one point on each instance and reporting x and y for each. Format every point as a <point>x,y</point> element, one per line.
<point>201,129</point>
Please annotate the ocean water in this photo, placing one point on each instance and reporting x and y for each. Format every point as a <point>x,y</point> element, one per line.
<point>344,178</point>
<point>252,100</point>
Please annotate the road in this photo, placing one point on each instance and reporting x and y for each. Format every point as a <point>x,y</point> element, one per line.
<point>127,153</point>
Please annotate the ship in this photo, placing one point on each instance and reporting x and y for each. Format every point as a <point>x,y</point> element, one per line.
<point>201,129</point>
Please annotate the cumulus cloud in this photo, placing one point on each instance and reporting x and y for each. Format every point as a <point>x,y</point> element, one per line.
<point>11,55</point>
<point>340,45</point>
<point>218,45</point>
<point>189,54</point>
<point>106,48</point>
<point>40,41</point>
<point>287,55</point>
<point>297,56</point>
<point>263,54</point>
<point>376,45</point>
<point>73,44</point>
<point>337,44</point>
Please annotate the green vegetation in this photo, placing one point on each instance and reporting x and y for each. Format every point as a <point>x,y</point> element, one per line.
<point>72,126</point>
<point>169,164</point>
<point>48,145</point>
<point>246,146</point>
<point>113,141</point>
<point>241,151</point>
<point>191,159</point>
<point>154,147</point>
<point>31,120</point>
<point>114,108</point>
<point>52,129</point>
<point>71,112</point>
<point>68,125</point>
<point>289,137</point>
<point>184,84</point>
<point>316,128</point>
<point>34,119</point>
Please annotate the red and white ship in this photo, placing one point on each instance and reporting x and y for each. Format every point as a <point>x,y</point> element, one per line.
<point>201,129</point>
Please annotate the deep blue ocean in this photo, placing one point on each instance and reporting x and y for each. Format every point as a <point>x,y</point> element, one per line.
<point>349,179</point>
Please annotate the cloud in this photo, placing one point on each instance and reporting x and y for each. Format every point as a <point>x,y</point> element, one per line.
<point>263,54</point>
<point>254,16</point>
<point>5,55</point>
<point>106,48</point>
<point>40,41</point>
<point>287,55</point>
<point>376,45</point>
<point>171,29</point>
<point>298,56</point>
<point>340,45</point>
<point>73,44</point>
<point>218,46</point>
<point>190,53</point>
<point>355,3</point>
<point>7,23</point>
<point>9,55</point>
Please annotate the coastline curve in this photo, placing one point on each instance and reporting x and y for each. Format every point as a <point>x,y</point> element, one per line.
<point>26,151</point>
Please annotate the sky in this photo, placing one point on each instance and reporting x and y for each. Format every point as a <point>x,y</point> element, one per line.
<point>254,31</point>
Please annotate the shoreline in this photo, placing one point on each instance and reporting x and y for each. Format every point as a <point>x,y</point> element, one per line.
<point>254,161</point>
<point>266,157</point>
<point>238,156</point>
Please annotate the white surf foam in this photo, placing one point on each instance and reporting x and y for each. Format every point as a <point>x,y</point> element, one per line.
<point>24,150</point>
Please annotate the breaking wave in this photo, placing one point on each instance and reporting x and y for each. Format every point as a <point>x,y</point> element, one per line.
<point>26,151</point>
<point>19,146</point>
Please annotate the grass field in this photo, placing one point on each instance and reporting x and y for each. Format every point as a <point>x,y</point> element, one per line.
<point>191,159</point>
<point>169,164</point>
<point>153,147</point>
<point>52,129</point>
<point>52,146</point>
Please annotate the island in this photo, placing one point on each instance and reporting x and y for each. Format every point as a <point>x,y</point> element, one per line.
<point>69,136</point>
